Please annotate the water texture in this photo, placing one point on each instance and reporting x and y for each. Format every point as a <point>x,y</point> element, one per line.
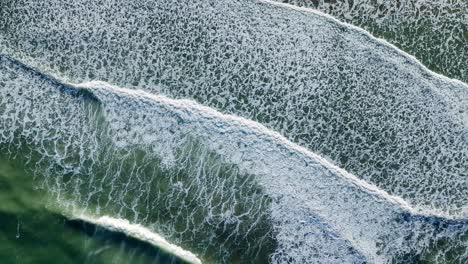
<point>242,131</point>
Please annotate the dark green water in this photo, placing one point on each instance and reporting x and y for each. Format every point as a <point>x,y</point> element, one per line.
<point>32,230</point>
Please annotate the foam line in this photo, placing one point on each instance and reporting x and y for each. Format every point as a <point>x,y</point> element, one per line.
<point>141,233</point>
<point>315,208</point>
<point>368,34</point>
<point>304,184</point>
<point>326,85</point>
<point>191,105</point>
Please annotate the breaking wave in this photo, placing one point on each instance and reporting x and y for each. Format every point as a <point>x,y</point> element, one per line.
<point>303,139</point>
<point>366,106</point>
<point>434,31</point>
<point>141,233</point>
<point>224,187</point>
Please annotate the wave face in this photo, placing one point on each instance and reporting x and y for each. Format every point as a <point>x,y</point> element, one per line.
<point>435,31</point>
<point>328,86</point>
<point>227,188</point>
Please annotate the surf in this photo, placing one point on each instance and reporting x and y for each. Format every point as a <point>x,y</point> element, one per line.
<point>219,185</point>
<point>330,87</point>
<point>411,26</point>
<point>140,233</point>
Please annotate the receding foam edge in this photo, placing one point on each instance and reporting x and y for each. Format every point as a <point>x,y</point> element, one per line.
<point>255,126</point>
<point>141,233</point>
<point>368,34</point>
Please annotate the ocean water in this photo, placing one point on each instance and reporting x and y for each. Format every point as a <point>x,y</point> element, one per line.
<point>233,132</point>
<point>35,231</point>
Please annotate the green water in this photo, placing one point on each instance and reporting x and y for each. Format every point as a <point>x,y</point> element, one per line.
<point>33,231</point>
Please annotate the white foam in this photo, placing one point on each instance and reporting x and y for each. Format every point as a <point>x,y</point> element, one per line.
<point>196,109</point>
<point>431,30</point>
<point>319,212</point>
<point>328,86</point>
<point>363,31</point>
<point>302,184</point>
<point>141,233</point>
